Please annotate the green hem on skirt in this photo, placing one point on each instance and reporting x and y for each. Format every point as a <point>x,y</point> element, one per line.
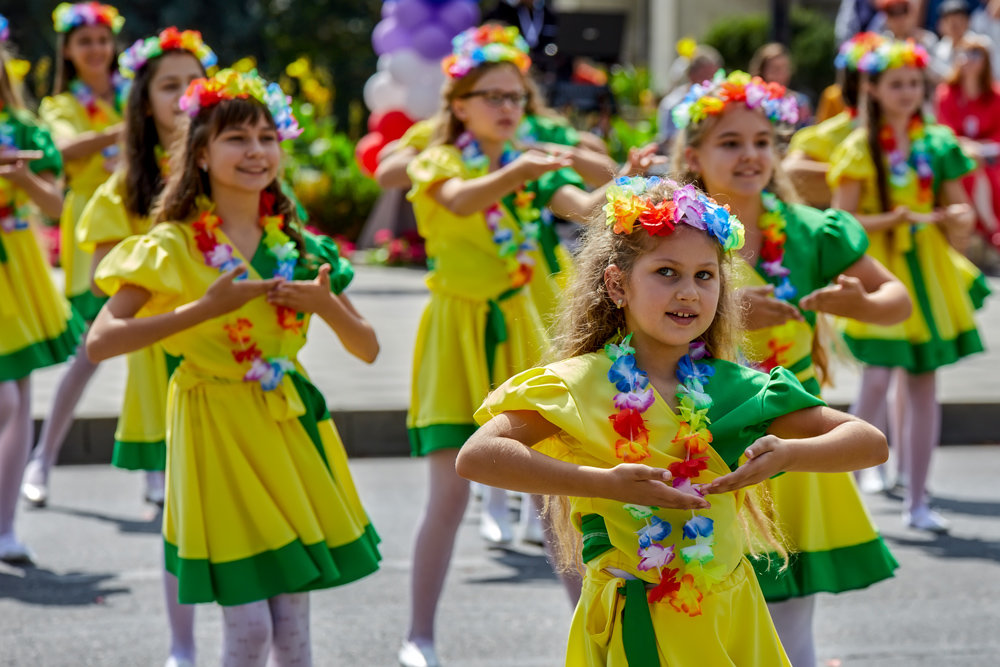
<point>139,455</point>
<point>919,358</point>
<point>427,439</point>
<point>834,571</point>
<point>87,304</point>
<point>979,290</point>
<point>21,363</point>
<point>294,568</point>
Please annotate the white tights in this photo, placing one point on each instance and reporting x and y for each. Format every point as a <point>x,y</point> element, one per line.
<point>15,444</point>
<point>277,628</point>
<point>793,619</point>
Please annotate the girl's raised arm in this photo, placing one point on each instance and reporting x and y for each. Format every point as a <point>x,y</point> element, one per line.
<point>866,292</point>
<point>468,196</point>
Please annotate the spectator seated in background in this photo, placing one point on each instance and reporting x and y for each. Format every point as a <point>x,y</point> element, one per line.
<point>969,103</point>
<point>952,26</point>
<point>902,22</point>
<point>773,63</point>
<point>702,66</point>
<point>986,21</point>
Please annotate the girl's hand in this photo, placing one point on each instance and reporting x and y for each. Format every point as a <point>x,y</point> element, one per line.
<point>532,164</point>
<point>304,296</point>
<point>842,298</point>
<point>644,485</point>
<point>932,218</point>
<point>763,310</point>
<point>958,222</point>
<point>767,457</point>
<point>14,165</point>
<point>641,160</point>
<point>227,293</point>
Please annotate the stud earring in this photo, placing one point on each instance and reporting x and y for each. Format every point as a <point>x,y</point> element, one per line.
<point>204,167</point>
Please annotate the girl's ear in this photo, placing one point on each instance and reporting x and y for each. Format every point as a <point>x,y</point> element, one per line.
<point>459,110</point>
<point>614,282</point>
<point>691,160</point>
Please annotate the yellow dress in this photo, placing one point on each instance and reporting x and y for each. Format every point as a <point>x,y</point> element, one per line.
<point>67,118</point>
<point>819,141</point>
<point>615,624</point>
<point>941,329</point>
<point>37,326</point>
<point>834,543</point>
<point>140,438</point>
<point>476,328</point>
<point>259,495</point>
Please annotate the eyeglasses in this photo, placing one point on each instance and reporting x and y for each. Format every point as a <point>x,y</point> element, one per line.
<point>496,98</point>
<point>971,54</point>
<point>899,9</point>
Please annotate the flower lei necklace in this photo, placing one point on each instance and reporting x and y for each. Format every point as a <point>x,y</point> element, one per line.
<point>13,215</point>
<point>635,396</point>
<point>268,371</point>
<point>772,255</point>
<point>85,96</point>
<point>515,246</point>
<point>919,157</point>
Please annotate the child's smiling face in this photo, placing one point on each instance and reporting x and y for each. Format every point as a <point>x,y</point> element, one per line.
<point>736,156</point>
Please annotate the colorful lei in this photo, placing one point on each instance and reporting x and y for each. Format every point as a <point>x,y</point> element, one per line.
<point>514,246</point>
<point>919,158</point>
<point>891,54</point>
<point>489,43</point>
<point>4,28</point>
<point>626,205</point>
<point>712,97</point>
<point>772,256</point>
<point>228,84</point>
<point>852,51</point>
<point>67,16</point>
<point>634,397</point>
<point>85,96</point>
<point>142,51</point>
<point>267,371</point>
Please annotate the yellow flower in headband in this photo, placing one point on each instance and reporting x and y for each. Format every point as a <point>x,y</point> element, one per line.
<point>229,84</point>
<point>624,206</point>
<point>67,16</point>
<point>488,43</point>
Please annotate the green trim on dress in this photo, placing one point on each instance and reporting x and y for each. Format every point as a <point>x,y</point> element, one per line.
<point>427,439</point>
<point>19,364</point>
<point>979,290</point>
<point>140,455</point>
<point>832,571</point>
<point>87,304</point>
<point>293,568</point>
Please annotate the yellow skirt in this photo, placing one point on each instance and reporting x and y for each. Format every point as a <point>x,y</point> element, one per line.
<point>833,544</point>
<point>260,499</point>
<point>140,438</point>
<point>733,630</point>
<point>74,261</point>
<point>451,376</point>
<point>547,288</point>
<point>37,326</point>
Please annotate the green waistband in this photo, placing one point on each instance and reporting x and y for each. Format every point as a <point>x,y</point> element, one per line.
<point>496,328</point>
<point>638,635</point>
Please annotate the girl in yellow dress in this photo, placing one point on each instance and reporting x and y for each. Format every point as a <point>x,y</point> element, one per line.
<point>260,506</point>
<point>476,201</point>
<point>797,261</point>
<point>651,468</point>
<point>84,116</point>
<point>900,175</point>
<point>37,326</point>
<point>161,68</point>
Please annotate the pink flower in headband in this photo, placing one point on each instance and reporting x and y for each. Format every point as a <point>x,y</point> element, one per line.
<point>488,43</point>
<point>229,84</point>
<point>711,98</point>
<point>136,56</point>
<point>67,16</point>
<point>853,50</point>
<point>892,54</point>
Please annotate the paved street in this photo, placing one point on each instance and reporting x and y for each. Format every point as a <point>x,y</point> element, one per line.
<point>94,599</point>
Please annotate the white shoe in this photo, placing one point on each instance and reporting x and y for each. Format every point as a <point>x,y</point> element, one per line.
<point>872,480</point>
<point>178,662</point>
<point>532,531</point>
<point>34,487</point>
<point>496,530</point>
<point>924,518</point>
<point>416,655</point>
<point>14,551</point>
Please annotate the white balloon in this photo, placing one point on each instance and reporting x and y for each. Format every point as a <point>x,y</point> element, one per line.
<point>381,92</point>
<point>383,63</point>
<point>401,64</point>
<point>422,101</point>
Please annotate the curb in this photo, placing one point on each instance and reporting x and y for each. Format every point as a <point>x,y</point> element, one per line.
<point>381,433</point>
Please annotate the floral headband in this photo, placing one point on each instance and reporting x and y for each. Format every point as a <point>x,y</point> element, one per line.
<point>136,56</point>
<point>67,16</point>
<point>626,206</point>
<point>486,44</point>
<point>228,84</point>
<point>892,54</point>
<point>853,50</point>
<point>712,97</point>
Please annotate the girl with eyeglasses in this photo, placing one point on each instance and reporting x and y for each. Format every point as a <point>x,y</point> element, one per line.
<point>476,198</point>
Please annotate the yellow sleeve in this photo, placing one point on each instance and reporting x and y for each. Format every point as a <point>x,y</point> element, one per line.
<point>852,160</point>
<point>436,164</point>
<point>61,114</point>
<point>154,261</point>
<point>418,136</point>
<point>812,142</point>
<point>105,219</point>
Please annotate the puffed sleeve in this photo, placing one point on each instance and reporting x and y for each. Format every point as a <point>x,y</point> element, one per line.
<point>325,251</point>
<point>37,138</point>
<point>436,164</point>
<point>417,136</point>
<point>549,182</point>
<point>949,160</point>
<point>153,261</point>
<point>59,115</point>
<point>104,218</point>
<point>746,401</point>
<point>842,242</point>
<point>811,142</point>
<point>543,391</point>
<point>852,160</point>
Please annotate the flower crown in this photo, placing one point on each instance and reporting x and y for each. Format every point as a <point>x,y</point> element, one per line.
<point>486,44</point>
<point>627,205</point>
<point>136,56</point>
<point>892,54</point>
<point>67,16</point>
<point>853,50</point>
<point>228,84</point>
<point>711,98</point>
<point>4,28</point>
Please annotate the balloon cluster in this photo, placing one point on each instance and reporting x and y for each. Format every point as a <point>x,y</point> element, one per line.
<point>410,40</point>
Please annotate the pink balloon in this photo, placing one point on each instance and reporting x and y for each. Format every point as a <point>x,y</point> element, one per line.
<point>411,14</point>
<point>458,15</point>
<point>432,41</point>
<point>389,36</point>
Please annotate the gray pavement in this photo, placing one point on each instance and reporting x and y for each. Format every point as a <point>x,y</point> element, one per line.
<point>94,599</point>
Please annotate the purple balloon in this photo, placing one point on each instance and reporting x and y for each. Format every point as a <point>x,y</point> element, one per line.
<point>389,36</point>
<point>458,15</point>
<point>411,14</point>
<point>432,41</point>
<point>388,8</point>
